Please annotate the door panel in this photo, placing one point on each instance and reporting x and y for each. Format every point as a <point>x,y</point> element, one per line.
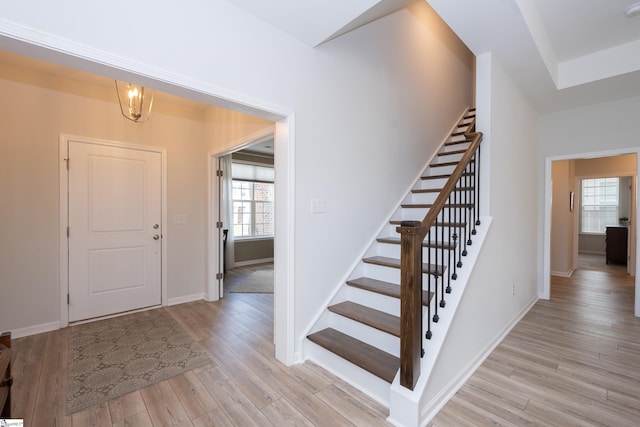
<point>114,220</point>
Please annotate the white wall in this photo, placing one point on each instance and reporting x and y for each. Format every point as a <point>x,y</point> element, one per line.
<point>591,129</point>
<point>508,259</point>
<point>369,106</point>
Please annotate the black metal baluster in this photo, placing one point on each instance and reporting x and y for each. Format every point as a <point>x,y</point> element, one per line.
<point>449,267</point>
<point>459,223</point>
<point>472,193</point>
<point>433,271</point>
<point>465,213</point>
<point>470,219</point>
<point>428,334</point>
<point>441,250</point>
<point>478,188</point>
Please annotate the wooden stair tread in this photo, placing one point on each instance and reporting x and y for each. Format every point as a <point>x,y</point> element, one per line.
<point>370,358</point>
<point>375,318</point>
<point>441,176</point>
<point>444,224</point>
<point>429,205</point>
<point>384,288</point>
<point>438,190</point>
<point>451,153</point>
<point>395,263</point>
<point>462,141</point>
<point>425,243</point>
<point>443,164</point>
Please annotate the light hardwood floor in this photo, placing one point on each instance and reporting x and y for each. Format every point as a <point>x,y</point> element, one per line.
<point>573,360</point>
<point>244,386</point>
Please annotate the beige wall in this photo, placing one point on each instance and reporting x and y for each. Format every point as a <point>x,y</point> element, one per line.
<point>35,109</point>
<point>562,218</point>
<point>600,167</point>
<point>252,251</point>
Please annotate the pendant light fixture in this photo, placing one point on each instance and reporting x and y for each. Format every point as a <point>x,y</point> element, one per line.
<point>135,101</point>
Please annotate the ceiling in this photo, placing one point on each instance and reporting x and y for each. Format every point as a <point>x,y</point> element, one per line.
<point>562,53</point>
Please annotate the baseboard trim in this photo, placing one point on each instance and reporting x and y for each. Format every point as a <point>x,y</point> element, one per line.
<point>35,329</point>
<point>562,273</point>
<point>431,409</point>
<point>253,261</point>
<point>186,298</point>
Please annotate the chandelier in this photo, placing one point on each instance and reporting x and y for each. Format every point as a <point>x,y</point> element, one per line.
<point>135,101</point>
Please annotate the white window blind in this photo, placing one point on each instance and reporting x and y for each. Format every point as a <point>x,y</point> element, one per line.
<point>599,206</point>
<point>249,172</point>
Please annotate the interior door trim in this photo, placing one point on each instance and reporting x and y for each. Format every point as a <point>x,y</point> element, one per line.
<point>63,150</point>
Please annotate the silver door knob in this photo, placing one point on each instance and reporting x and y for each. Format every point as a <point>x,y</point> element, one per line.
<point>156,237</point>
<point>156,226</point>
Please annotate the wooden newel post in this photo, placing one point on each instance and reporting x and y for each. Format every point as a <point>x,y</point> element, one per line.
<point>412,233</point>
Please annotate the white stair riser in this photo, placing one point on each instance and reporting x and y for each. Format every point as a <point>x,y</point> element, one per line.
<point>448,158</point>
<point>374,300</point>
<point>359,378</point>
<point>393,251</point>
<point>456,147</point>
<point>386,274</point>
<point>390,231</point>
<point>379,272</point>
<point>364,333</point>
<point>441,170</point>
<point>420,198</point>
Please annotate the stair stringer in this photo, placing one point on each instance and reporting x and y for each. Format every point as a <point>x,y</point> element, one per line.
<point>405,406</point>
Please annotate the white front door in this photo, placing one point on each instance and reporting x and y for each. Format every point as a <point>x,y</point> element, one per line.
<point>115,206</point>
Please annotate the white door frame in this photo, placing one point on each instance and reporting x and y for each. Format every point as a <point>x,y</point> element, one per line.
<point>214,259</point>
<point>283,266</point>
<point>63,144</point>
<point>544,291</point>
<point>63,52</point>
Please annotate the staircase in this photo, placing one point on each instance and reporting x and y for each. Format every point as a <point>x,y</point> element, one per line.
<point>362,325</point>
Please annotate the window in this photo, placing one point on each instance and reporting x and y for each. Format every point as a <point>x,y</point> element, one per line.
<point>252,201</point>
<point>599,206</point>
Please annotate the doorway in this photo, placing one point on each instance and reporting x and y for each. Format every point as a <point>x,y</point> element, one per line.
<point>562,210</point>
<point>243,205</point>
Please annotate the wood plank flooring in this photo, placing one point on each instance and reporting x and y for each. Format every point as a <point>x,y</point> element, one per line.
<point>572,360</point>
<point>244,386</point>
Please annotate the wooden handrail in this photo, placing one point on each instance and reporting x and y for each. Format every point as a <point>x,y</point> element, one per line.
<point>412,234</point>
<point>442,198</point>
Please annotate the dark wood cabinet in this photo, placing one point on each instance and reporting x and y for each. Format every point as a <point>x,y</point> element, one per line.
<point>5,375</point>
<point>616,242</point>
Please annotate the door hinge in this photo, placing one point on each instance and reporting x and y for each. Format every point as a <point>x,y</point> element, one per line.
<point>68,299</point>
<point>219,172</point>
<point>219,276</point>
<point>219,224</point>
<point>67,162</point>
<point>67,231</point>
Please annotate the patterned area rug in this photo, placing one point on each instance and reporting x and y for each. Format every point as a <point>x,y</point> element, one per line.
<point>259,282</point>
<point>110,358</point>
